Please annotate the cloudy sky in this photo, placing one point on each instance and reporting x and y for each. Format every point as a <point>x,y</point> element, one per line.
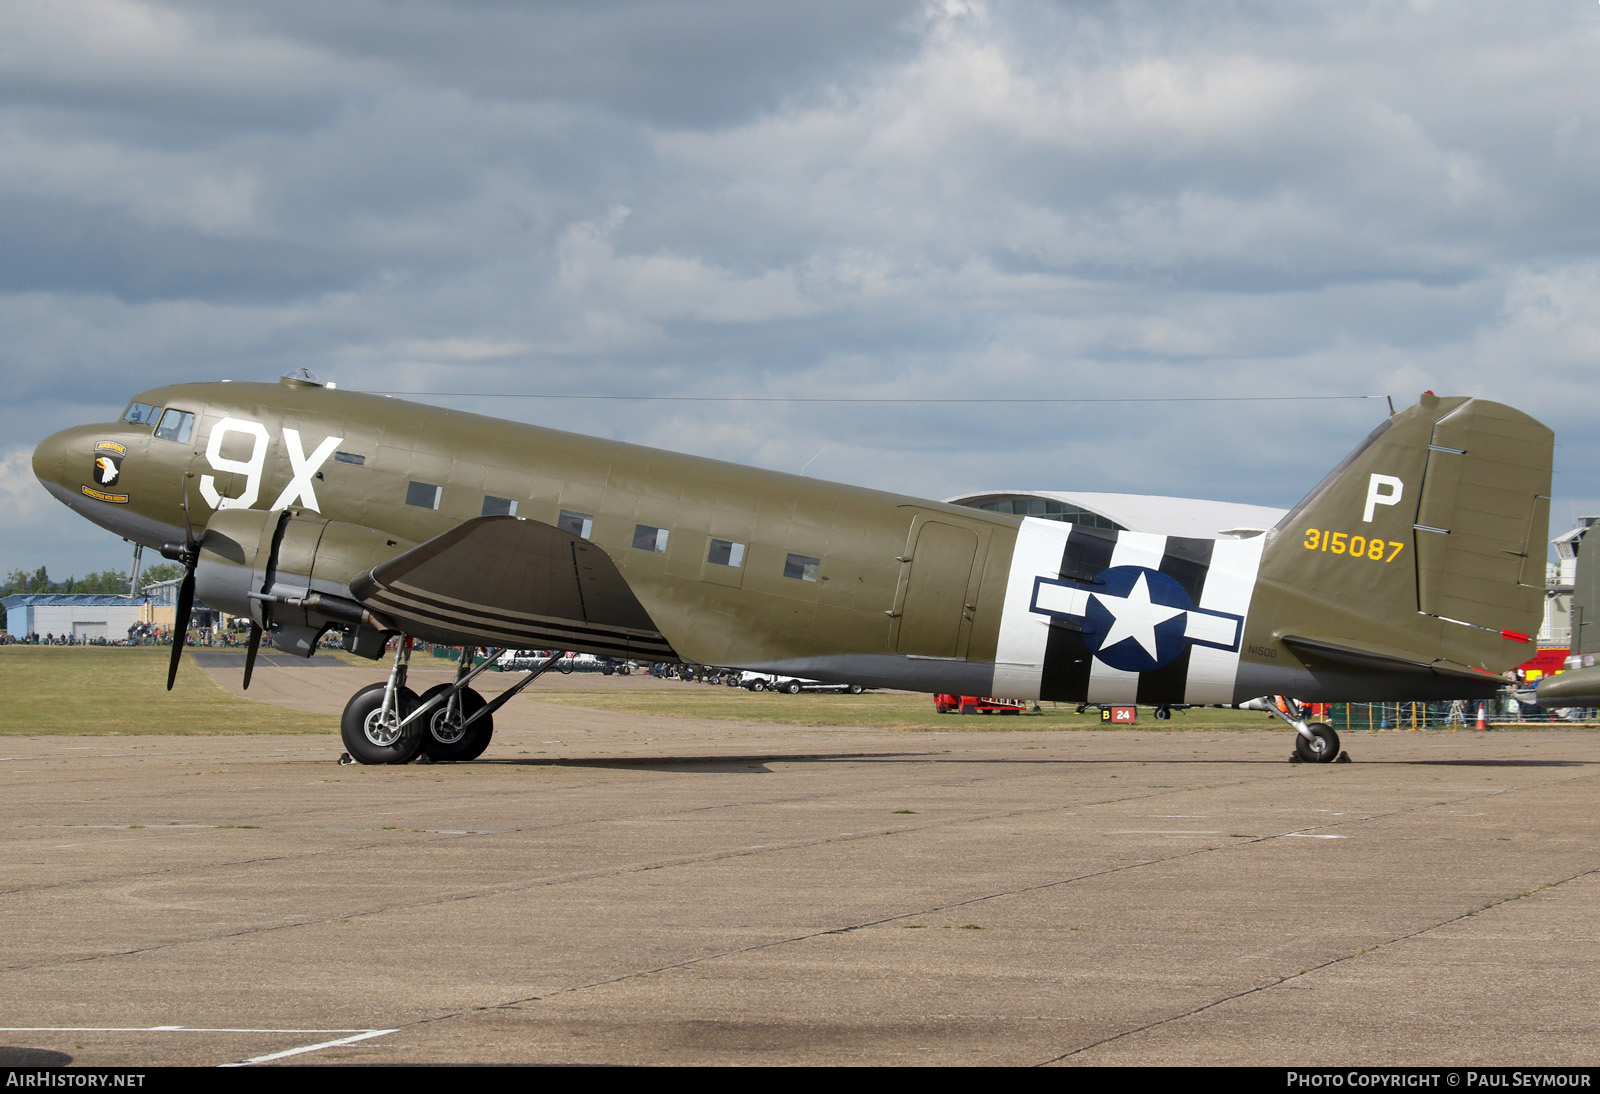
<point>888,198</point>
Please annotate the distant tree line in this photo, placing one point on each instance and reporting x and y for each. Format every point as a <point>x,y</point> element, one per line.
<point>105,581</point>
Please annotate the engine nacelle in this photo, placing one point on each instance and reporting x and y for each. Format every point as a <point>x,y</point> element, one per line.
<point>290,572</point>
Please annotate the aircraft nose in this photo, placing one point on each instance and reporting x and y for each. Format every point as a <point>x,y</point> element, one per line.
<point>50,457</point>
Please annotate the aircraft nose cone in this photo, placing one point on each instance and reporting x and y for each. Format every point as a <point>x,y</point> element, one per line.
<point>50,457</point>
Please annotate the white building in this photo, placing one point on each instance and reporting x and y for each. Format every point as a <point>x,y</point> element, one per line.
<point>84,616</point>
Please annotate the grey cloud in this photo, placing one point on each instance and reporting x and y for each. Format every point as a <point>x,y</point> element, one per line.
<point>57,246</point>
<point>707,62</point>
<point>953,200</point>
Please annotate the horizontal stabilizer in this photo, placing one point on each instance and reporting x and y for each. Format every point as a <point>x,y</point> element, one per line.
<point>1378,659</point>
<point>512,582</point>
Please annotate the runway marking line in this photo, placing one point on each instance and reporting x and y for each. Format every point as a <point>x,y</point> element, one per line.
<point>356,1035</point>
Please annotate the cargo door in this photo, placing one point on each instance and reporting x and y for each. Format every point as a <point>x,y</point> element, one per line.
<point>934,612</point>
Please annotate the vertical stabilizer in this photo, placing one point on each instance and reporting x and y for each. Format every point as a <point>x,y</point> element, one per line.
<point>1586,600</point>
<point>1423,551</point>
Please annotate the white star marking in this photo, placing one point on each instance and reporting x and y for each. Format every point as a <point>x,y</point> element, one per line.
<point>1135,616</point>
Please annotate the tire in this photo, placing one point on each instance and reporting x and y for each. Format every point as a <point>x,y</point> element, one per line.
<point>758,685</point>
<point>791,688</point>
<point>365,737</point>
<point>856,689</point>
<point>1323,750</point>
<point>1163,713</point>
<point>968,708</point>
<point>444,739</point>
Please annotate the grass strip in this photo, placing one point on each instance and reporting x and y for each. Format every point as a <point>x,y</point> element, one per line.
<point>112,690</point>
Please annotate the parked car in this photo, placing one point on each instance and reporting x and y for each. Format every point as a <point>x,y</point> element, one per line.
<point>518,660</point>
<point>523,660</point>
<point>791,685</point>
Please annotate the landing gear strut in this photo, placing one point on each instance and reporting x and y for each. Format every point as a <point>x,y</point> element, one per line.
<point>1315,742</point>
<point>388,724</point>
<point>375,725</point>
<point>457,727</point>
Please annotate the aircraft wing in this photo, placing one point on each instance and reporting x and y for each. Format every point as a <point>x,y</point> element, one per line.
<point>508,581</point>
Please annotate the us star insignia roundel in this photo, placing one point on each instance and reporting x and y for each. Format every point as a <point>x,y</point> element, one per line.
<point>1134,618</point>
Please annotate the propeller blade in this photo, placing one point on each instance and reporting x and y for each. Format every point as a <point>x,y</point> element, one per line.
<point>187,552</point>
<point>251,651</point>
<point>180,623</point>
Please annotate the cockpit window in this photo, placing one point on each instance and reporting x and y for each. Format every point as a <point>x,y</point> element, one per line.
<point>141,414</point>
<point>176,425</point>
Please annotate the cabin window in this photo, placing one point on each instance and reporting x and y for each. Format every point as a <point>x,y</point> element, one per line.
<point>424,495</point>
<point>176,425</point>
<point>579,524</point>
<point>349,457</point>
<point>141,414</point>
<point>725,552</point>
<point>802,567</point>
<point>646,538</point>
<point>499,507</point>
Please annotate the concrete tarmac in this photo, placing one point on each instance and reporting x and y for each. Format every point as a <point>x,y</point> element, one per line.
<point>615,889</point>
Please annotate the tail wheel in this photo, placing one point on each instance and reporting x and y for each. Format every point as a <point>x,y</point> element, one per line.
<point>447,736</point>
<point>1321,748</point>
<point>373,736</point>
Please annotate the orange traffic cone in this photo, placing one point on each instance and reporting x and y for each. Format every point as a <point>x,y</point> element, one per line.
<point>1481,723</point>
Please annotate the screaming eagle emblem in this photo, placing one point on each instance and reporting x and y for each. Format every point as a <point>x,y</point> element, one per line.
<point>106,471</point>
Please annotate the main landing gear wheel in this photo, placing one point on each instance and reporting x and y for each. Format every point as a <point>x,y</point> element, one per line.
<point>373,736</point>
<point>447,738</point>
<point>1321,748</point>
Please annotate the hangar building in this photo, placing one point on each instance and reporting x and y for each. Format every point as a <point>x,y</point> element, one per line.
<point>85,616</point>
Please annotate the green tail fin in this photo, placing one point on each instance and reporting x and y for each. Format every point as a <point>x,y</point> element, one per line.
<point>1586,600</point>
<point>1426,546</point>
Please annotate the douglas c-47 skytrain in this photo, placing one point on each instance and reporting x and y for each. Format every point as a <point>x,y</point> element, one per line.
<point>1414,570</point>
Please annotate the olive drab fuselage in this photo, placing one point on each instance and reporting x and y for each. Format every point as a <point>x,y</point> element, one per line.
<point>350,510</point>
